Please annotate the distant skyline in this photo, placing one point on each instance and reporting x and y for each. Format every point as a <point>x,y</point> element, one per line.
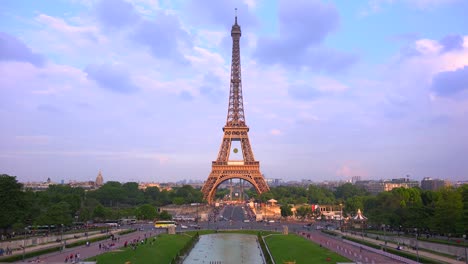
<point>139,89</point>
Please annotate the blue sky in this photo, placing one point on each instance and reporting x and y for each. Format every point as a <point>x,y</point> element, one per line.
<point>139,88</point>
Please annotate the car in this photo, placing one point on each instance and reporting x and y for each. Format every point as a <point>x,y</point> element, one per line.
<point>246,220</point>
<point>271,221</point>
<point>183,226</point>
<point>195,226</point>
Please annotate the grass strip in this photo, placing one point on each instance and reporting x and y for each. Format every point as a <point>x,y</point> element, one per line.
<point>296,248</point>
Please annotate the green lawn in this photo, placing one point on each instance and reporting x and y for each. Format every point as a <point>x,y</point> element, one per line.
<point>296,248</point>
<point>163,250</point>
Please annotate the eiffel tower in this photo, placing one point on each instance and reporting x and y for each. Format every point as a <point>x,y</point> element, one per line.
<point>235,130</point>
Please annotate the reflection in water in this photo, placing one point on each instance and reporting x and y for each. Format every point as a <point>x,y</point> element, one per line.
<point>226,249</point>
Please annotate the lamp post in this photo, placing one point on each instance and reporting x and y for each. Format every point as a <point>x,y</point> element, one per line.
<point>341,217</point>
<point>466,249</point>
<point>24,243</point>
<point>417,248</point>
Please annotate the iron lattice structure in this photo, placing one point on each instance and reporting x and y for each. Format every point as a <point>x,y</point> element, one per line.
<point>235,130</point>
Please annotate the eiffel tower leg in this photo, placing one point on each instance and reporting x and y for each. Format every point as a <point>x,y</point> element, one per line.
<point>223,155</point>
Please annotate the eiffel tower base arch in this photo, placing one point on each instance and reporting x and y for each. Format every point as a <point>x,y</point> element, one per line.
<point>222,173</point>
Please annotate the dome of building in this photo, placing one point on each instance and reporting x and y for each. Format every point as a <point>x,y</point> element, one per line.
<point>99,179</point>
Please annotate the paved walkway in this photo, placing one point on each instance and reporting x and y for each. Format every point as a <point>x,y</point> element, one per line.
<point>442,259</point>
<point>57,244</point>
<point>355,253</point>
<point>91,251</point>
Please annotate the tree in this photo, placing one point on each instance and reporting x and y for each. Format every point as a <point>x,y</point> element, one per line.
<point>164,215</point>
<point>320,195</point>
<point>57,215</point>
<point>349,190</point>
<point>12,201</point>
<point>449,212</point>
<point>304,211</point>
<point>152,194</point>
<point>146,212</point>
<point>286,210</point>
<point>352,204</point>
<point>133,195</point>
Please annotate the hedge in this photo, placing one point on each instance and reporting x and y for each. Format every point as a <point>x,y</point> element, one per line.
<point>264,249</point>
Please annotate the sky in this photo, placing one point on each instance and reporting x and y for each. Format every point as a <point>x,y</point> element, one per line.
<point>139,88</point>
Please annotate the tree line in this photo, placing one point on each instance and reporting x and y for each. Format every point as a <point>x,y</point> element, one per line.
<point>444,211</point>
<point>63,205</point>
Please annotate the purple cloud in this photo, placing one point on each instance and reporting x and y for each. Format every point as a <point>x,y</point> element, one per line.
<point>302,27</point>
<point>212,88</point>
<point>304,92</point>
<point>13,49</point>
<point>116,13</point>
<point>450,82</point>
<point>219,13</point>
<point>186,95</point>
<point>164,36</point>
<point>452,42</point>
<point>111,77</point>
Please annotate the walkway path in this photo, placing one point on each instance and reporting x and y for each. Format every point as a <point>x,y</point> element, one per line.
<point>91,251</point>
<point>28,249</point>
<point>355,253</point>
<point>442,259</point>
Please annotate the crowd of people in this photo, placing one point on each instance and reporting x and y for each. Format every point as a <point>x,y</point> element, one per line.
<point>73,258</point>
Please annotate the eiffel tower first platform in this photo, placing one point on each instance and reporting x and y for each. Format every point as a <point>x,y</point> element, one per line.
<point>235,131</point>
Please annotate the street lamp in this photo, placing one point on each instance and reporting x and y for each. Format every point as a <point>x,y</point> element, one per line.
<point>24,243</point>
<point>385,236</point>
<point>341,217</point>
<point>417,247</point>
<point>466,249</point>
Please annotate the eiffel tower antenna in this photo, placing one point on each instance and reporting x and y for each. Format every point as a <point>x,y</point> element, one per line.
<point>223,169</point>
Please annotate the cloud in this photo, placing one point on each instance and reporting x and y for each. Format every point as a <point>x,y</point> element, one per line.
<point>48,108</point>
<point>375,6</point>
<point>111,77</point>
<point>164,37</point>
<point>213,88</point>
<point>302,27</point>
<point>275,132</point>
<point>33,140</point>
<point>219,13</point>
<point>450,83</point>
<point>185,95</point>
<point>13,49</point>
<point>316,87</point>
<point>116,13</point>
<point>351,168</point>
<point>304,92</point>
<point>452,42</point>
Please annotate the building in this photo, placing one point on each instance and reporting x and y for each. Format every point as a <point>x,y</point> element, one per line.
<point>355,179</point>
<point>38,186</point>
<point>430,184</point>
<point>99,180</point>
<point>375,187</point>
<point>144,185</point>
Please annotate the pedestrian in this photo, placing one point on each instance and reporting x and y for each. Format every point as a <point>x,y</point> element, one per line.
<point>66,259</point>
<point>100,246</point>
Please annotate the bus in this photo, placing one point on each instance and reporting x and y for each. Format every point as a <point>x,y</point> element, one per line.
<point>127,221</point>
<point>164,224</point>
